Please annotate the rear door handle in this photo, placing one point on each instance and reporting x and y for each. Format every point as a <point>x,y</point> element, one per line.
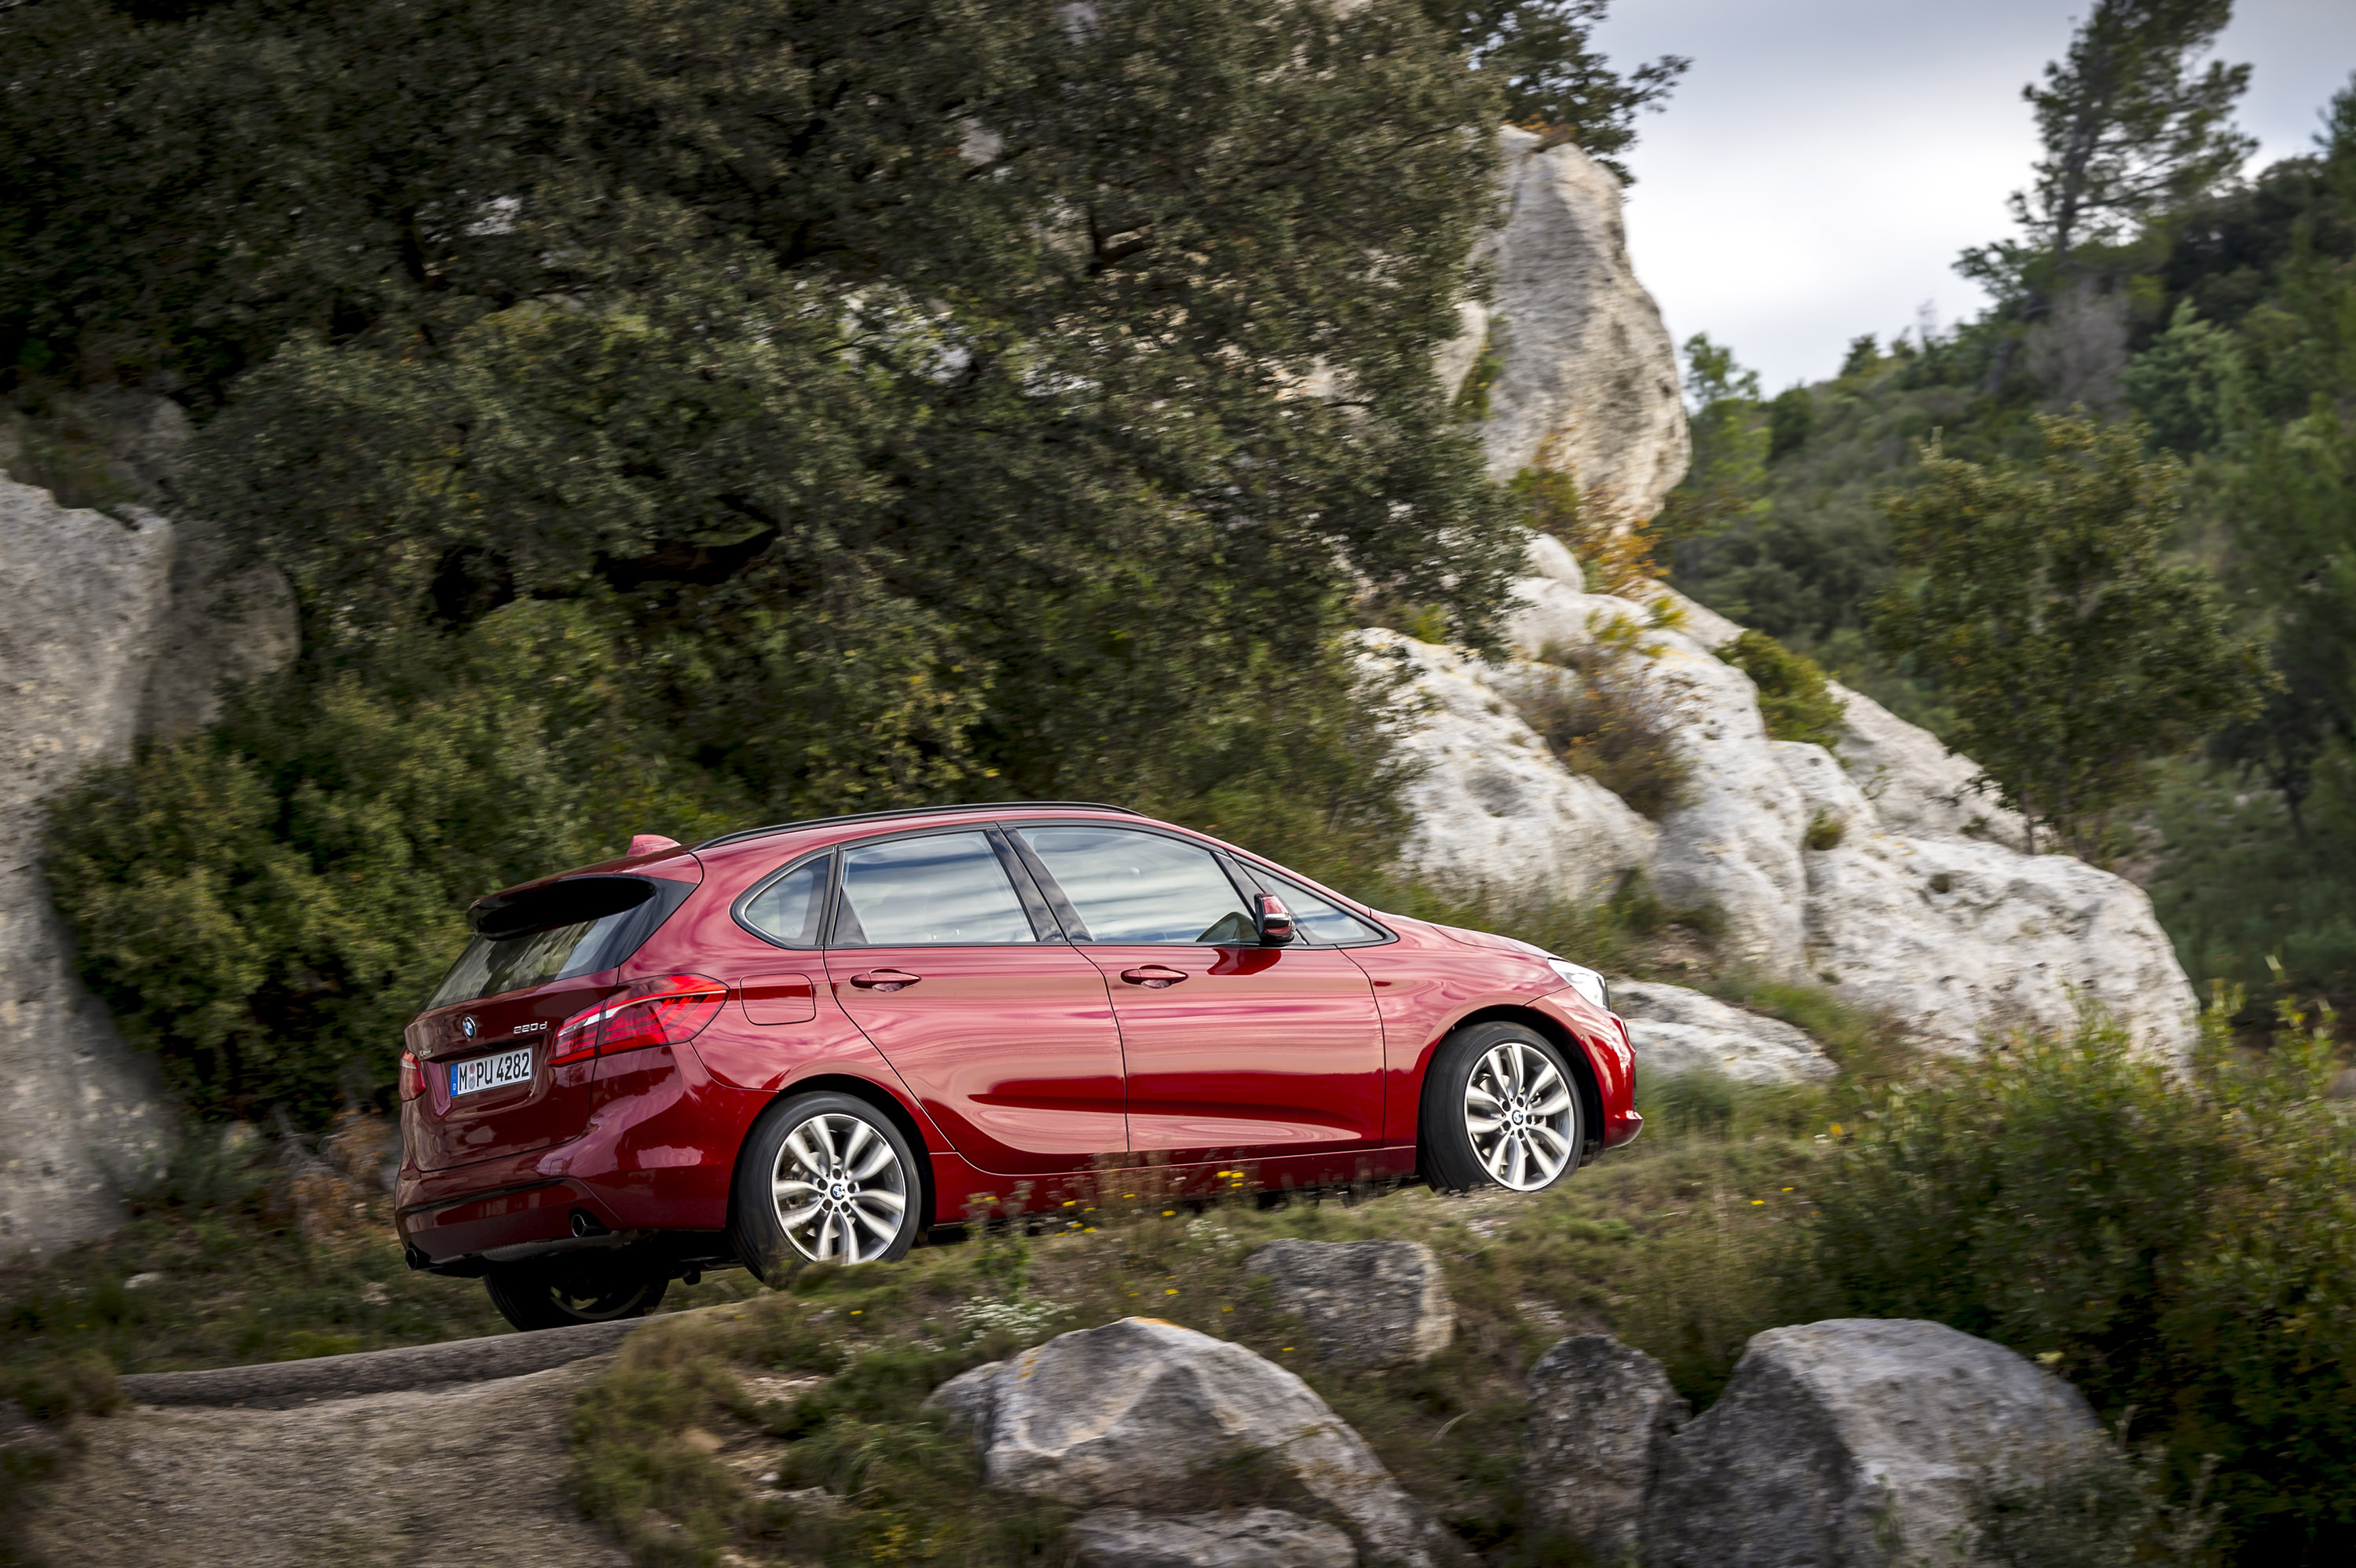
<point>1153,976</point>
<point>884,980</point>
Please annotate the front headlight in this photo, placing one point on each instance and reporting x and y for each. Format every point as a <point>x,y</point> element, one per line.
<point>1583,980</point>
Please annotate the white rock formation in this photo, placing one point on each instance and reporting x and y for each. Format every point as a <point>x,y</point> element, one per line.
<point>1856,1441</point>
<point>1675,1030</point>
<point>1493,807</point>
<point>1602,1412</point>
<point>1134,1412</point>
<point>1368,1304</point>
<point>1880,873</point>
<point>114,629</point>
<point>1588,379</point>
<point>1240,1537</point>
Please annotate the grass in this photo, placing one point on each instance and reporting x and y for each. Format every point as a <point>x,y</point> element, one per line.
<point>1681,1244</point>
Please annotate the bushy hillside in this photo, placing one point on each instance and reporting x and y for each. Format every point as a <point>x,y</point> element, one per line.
<point>2226,324</point>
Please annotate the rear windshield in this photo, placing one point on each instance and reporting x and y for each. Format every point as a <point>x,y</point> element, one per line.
<point>574,927</point>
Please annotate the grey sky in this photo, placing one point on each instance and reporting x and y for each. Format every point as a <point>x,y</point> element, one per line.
<point>1825,160</point>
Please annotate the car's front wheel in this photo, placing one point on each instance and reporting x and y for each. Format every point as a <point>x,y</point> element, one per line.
<point>581,1287</point>
<point>825,1177</point>
<point>1500,1109</point>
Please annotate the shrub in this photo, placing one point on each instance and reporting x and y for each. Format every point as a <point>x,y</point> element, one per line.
<point>1606,721</point>
<point>1794,699</point>
<point>2182,1247</point>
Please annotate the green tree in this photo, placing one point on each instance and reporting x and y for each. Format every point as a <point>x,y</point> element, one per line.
<point>2130,122</point>
<point>2075,651</point>
<point>1726,480</point>
<point>899,403</point>
<point>1536,53</point>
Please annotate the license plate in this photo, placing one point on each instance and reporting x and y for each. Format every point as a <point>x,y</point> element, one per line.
<point>477,1074</point>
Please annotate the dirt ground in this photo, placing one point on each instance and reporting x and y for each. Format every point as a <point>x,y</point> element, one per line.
<point>466,1475</point>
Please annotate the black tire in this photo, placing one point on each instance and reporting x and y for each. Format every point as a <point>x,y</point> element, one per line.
<point>1446,1148</point>
<point>845,1217</point>
<point>593,1287</point>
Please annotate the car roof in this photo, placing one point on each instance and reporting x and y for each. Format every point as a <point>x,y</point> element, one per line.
<point>913,811</point>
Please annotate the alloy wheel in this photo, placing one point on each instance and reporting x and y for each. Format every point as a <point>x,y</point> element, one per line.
<point>1520,1115</point>
<point>840,1189</point>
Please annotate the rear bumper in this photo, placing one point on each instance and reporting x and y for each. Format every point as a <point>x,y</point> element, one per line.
<point>656,1155</point>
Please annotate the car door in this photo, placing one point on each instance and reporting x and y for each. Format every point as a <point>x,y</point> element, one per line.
<point>944,954</point>
<point>1232,1048</point>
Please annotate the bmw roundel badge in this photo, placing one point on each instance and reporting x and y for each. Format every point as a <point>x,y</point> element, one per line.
<point>467,1025</point>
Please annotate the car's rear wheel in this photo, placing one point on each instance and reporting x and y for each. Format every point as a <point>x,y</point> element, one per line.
<point>825,1177</point>
<point>1500,1109</point>
<point>584,1287</point>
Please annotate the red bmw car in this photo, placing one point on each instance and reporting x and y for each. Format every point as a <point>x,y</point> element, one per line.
<point>818,1040</point>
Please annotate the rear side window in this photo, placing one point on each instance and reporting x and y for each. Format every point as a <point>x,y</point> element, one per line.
<point>939,890</point>
<point>577,926</point>
<point>790,909</point>
<point>1141,887</point>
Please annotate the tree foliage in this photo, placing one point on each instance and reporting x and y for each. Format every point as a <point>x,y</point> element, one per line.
<point>867,406</point>
<point>1536,54</point>
<point>2075,651</point>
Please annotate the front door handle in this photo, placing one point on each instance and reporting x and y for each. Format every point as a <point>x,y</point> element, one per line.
<point>884,980</point>
<point>1153,976</point>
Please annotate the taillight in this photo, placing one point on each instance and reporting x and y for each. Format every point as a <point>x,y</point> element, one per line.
<point>413,1077</point>
<point>669,1010</point>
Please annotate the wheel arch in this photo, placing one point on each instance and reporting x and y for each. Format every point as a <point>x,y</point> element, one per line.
<point>858,1088</point>
<point>1574,1051</point>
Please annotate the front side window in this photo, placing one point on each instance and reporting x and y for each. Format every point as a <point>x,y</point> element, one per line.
<point>1321,920</point>
<point>1141,887</point>
<point>939,891</point>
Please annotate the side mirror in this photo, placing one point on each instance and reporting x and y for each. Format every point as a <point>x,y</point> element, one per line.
<point>1275,920</point>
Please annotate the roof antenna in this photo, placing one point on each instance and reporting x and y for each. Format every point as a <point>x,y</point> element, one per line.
<point>650,844</point>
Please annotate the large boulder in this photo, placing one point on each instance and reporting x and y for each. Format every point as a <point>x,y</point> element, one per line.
<point>1136,1412</point>
<point>1675,1030</point>
<point>1240,1537</point>
<point>1602,1412</point>
<point>1585,377</point>
<point>1876,871</point>
<point>1365,1304</point>
<point>1856,1443</point>
<point>78,1109</point>
<point>116,628</point>
<point>1493,808</point>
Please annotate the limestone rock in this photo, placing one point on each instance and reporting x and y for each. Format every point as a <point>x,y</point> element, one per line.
<point>1675,1030</point>
<point>1494,808</point>
<point>1601,1412</point>
<point>1368,1304</point>
<point>220,625</point>
<point>1244,1538</point>
<point>1588,378</point>
<point>1853,1443</point>
<point>77,1108</point>
<point>1917,786</point>
<point>1130,1413</point>
<point>1879,872</point>
<point>116,629</point>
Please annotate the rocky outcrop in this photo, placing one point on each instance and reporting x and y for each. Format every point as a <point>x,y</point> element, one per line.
<point>1602,1412</point>
<point>1579,372</point>
<point>1856,1443</point>
<point>1675,1030</point>
<point>1241,1538</point>
<point>1877,872</point>
<point>1136,1412</point>
<point>1364,1303</point>
<point>115,629</point>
